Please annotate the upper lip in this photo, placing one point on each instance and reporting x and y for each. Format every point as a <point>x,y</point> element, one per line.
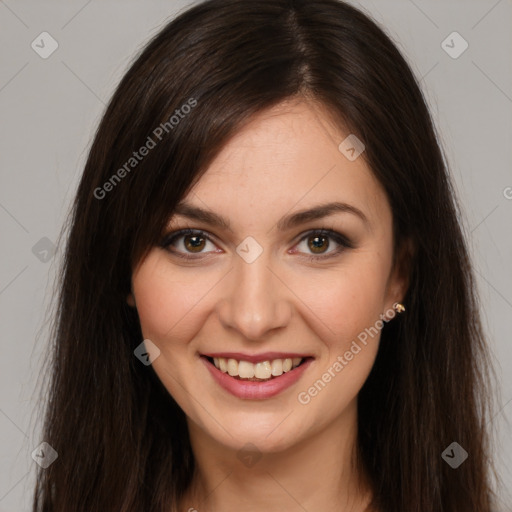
<point>256,358</point>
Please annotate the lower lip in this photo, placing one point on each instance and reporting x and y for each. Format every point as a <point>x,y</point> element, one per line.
<point>252,390</point>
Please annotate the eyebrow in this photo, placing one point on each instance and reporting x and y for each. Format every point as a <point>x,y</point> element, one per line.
<point>301,217</point>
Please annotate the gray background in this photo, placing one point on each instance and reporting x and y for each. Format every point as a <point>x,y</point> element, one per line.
<point>50,107</point>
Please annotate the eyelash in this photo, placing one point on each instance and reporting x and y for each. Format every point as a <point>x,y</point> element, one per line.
<point>342,241</point>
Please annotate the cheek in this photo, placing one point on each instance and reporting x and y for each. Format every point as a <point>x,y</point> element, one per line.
<point>167,299</point>
<point>348,304</point>
<point>347,299</point>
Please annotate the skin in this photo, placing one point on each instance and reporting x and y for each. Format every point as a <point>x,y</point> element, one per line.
<point>285,160</point>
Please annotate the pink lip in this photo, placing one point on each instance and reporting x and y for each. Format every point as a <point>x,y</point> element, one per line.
<point>256,358</point>
<point>250,390</point>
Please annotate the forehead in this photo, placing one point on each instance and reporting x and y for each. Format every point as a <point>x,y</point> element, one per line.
<point>285,156</point>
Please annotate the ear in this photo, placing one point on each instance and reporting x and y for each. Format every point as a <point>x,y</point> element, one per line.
<point>398,282</point>
<point>130,299</point>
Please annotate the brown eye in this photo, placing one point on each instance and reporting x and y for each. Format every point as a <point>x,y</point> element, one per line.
<point>318,243</point>
<point>188,243</point>
<point>317,246</point>
<point>194,243</point>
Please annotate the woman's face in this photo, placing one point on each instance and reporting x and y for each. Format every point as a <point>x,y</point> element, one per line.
<point>266,288</point>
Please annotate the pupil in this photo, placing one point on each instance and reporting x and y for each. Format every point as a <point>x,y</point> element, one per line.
<point>194,242</point>
<point>318,241</point>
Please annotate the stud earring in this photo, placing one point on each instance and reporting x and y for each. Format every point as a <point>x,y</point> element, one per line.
<point>398,307</point>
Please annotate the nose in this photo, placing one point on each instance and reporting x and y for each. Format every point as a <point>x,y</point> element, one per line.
<point>256,302</point>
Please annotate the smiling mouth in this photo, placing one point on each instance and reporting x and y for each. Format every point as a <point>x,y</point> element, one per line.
<point>258,372</point>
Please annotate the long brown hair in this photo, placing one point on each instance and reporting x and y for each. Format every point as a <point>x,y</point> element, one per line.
<point>122,440</point>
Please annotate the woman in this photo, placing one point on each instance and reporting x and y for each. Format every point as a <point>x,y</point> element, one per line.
<point>266,300</point>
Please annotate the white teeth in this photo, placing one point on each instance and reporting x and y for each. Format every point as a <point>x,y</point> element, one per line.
<point>232,367</point>
<point>262,370</point>
<point>245,370</point>
<point>277,367</point>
